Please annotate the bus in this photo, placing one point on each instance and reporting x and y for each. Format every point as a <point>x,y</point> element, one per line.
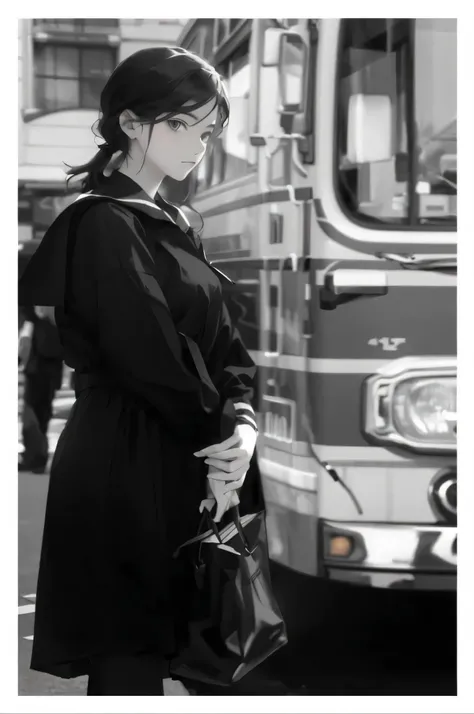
<point>331,200</point>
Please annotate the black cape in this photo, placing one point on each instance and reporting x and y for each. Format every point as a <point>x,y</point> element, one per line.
<point>159,368</point>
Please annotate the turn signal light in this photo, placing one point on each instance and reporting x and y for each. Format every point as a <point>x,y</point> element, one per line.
<point>340,546</point>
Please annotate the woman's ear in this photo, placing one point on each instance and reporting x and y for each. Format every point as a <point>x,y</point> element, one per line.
<point>129,123</point>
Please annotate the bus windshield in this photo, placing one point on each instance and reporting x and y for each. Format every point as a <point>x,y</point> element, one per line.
<point>414,63</point>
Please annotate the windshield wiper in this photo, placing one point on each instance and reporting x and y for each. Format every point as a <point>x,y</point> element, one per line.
<point>421,262</point>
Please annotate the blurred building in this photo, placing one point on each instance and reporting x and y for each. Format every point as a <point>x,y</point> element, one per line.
<point>63,65</point>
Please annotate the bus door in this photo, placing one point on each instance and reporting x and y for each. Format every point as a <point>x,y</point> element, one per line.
<point>287,467</point>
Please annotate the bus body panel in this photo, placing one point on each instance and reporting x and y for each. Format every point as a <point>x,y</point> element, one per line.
<point>314,362</point>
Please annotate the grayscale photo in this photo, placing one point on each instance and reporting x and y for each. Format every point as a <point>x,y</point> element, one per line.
<point>237,357</point>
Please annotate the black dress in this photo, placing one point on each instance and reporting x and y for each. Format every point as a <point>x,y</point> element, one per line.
<point>134,296</point>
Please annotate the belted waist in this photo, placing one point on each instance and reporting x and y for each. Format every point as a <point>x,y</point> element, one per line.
<point>87,380</point>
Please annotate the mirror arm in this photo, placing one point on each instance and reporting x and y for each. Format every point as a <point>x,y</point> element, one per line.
<point>296,160</point>
<point>261,141</point>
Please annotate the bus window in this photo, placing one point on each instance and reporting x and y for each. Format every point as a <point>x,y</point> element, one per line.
<point>436,117</point>
<point>373,61</point>
<point>230,155</point>
<point>403,59</point>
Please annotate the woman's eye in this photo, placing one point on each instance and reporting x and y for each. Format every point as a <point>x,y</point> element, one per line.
<point>175,124</point>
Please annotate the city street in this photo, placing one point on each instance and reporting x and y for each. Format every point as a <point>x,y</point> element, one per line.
<point>288,258</point>
<point>342,640</point>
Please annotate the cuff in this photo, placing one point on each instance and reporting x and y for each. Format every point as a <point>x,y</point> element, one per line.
<point>26,329</point>
<point>245,414</point>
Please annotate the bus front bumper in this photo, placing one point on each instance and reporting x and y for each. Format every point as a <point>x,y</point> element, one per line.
<point>385,555</point>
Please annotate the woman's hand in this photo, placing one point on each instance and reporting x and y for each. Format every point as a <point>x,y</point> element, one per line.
<point>215,494</point>
<point>228,464</point>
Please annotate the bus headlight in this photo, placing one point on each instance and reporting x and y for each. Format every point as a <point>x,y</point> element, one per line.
<point>412,403</point>
<point>426,408</point>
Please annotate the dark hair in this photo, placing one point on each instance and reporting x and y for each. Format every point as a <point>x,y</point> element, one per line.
<point>151,82</point>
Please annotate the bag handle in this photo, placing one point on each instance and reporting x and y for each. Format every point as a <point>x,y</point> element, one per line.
<point>236,519</point>
<point>235,513</point>
<point>200,537</point>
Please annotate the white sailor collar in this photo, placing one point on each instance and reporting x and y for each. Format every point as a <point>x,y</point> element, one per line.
<point>144,204</point>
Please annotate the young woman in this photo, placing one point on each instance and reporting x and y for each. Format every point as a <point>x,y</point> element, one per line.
<point>163,424</point>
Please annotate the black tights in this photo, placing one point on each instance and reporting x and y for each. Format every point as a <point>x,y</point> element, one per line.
<point>133,674</point>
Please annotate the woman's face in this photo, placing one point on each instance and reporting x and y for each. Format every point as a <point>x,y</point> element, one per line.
<point>177,145</point>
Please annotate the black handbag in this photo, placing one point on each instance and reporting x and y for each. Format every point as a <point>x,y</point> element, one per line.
<point>235,622</point>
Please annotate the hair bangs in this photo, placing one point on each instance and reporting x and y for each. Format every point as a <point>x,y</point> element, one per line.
<point>156,84</point>
<point>194,90</point>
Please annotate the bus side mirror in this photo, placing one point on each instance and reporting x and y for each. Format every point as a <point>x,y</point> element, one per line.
<point>369,129</point>
<point>292,65</point>
<point>271,47</point>
<point>287,51</point>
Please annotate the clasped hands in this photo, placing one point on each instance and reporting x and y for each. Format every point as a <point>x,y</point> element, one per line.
<point>228,465</point>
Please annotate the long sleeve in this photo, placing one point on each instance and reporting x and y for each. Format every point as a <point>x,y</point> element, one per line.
<point>138,343</point>
<point>28,313</point>
<point>237,369</point>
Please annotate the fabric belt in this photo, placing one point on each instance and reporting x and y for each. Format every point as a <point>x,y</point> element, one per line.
<point>227,415</point>
<point>88,380</point>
